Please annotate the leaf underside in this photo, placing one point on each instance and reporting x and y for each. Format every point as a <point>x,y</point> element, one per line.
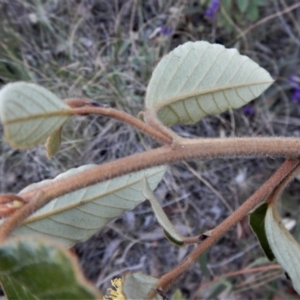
<point>161,217</point>
<point>32,269</point>
<point>138,285</point>
<point>198,79</point>
<point>285,248</point>
<point>30,113</point>
<point>78,215</point>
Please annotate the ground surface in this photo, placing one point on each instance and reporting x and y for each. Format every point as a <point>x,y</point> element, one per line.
<point>106,50</point>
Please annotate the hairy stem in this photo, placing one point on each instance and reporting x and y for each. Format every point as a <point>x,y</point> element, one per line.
<point>86,107</point>
<point>199,148</point>
<point>279,176</point>
<point>155,123</point>
<point>20,215</point>
<point>184,149</point>
<point>272,199</point>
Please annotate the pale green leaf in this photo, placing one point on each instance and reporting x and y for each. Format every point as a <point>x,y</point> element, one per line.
<point>138,285</point>
<point>178,295</point>
<point>78,215</point>
<point>285,248</point>
<point>161,216</point>
<point>30,113</point>
<point>252,12</point>
<point>32,269</point>
<point>53,142</point>
<point>198,79</point>
<point>243,4</point>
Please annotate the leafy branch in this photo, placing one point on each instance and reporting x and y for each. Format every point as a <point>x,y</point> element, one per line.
<point>202,148</point>
<point>77,203</point>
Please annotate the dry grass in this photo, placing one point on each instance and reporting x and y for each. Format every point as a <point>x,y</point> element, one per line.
<point>101,50</point>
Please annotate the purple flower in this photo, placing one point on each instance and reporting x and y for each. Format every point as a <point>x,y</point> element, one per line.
<point>295,83</point>
<point>296,95</point>
<point>248,110</point>
<point>294,79</point>
<point>212,10</point>
<point>167,31</point>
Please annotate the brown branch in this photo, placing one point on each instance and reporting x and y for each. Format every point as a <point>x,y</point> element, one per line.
<point>274,196</point>
<point>199,148</point>
<point>86,107</point>
<point>153,121</point>
<point>21,214</point>
<point>9,203</point>
<point>6,198</point>
<point>185,149</point>
<point>287,168</point>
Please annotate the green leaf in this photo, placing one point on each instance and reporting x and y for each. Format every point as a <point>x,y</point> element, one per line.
<point>223,286</point>
<point>220,289</point>
<point>284,246</point>
<point>138,285</point>
<point>242,5</point>
<point>76,216</point>
<point>178,295</point>
<point>32,269</point>
<point>260,2</point>
<point>53,142</point>
<point>203,265</point>
<point>258,262</point>
<point>252,12</point>
<point>198,79</point>
<point>224,21</point>
<point>161,217</point>
<point>257,223</point>
<point>227,4</point>
<point>30,113</point>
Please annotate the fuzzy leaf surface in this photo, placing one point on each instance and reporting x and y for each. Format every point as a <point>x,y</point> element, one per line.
<point>30,113</point>
<point>32,269</point>
<point>138,285</point>
<point>198,79</point>
<point>161,216</point>
<point>76,216</point>
<point>285,248</point>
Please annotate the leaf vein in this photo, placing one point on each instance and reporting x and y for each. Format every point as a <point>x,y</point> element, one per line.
<point>176,71</point>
